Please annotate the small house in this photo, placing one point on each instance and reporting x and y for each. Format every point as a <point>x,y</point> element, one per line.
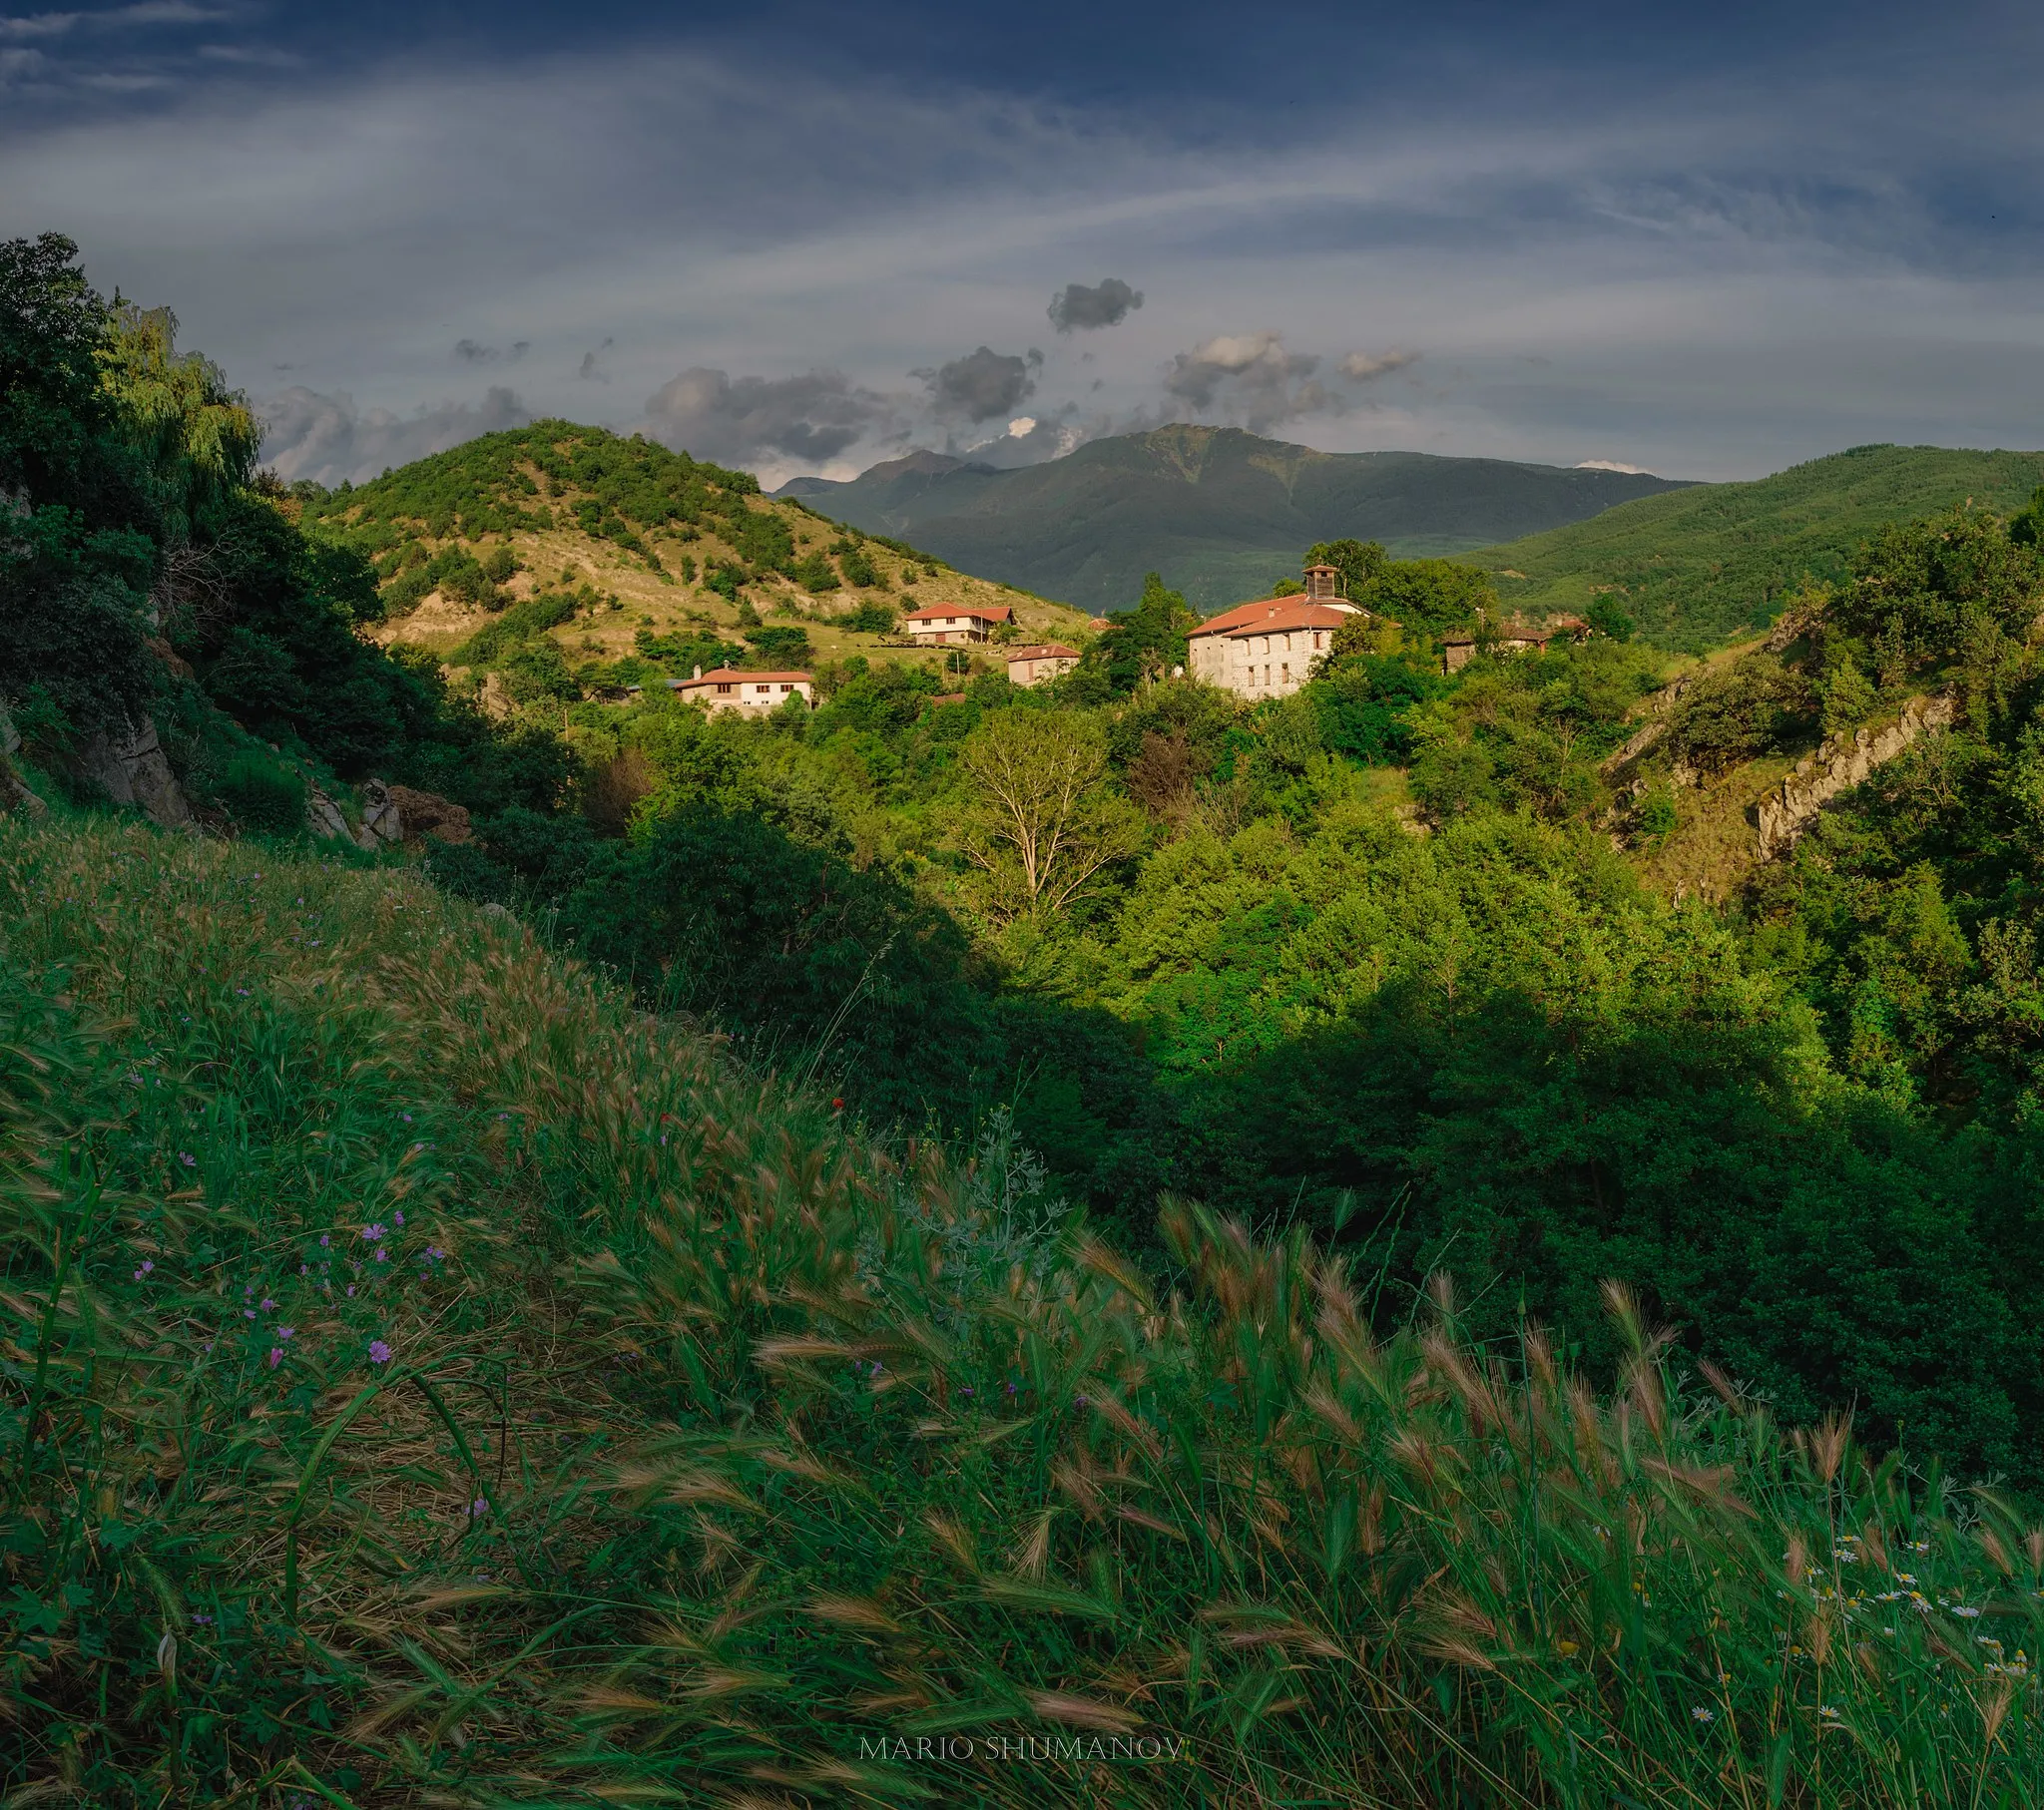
<point>1032,665</point>
<point>951,624</point>
<point>754,693</point>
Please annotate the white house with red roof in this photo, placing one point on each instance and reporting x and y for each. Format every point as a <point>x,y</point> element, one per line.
<point>1032,665</point>
<point>946,624</point>
<point>1267,648</point>
<point>726,689</point>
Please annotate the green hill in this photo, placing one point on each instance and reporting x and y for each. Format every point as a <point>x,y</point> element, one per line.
<point>1699,565</point>
<point>609,540</point>
<point>1220,512</point>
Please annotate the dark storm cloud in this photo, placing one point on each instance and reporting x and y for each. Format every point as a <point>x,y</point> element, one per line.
<point>1106,305</point>
<point>1250,377</point>
<point>715,416</point>
<point>327,438</point>
<point>983,385</point>
<point>470,351</point>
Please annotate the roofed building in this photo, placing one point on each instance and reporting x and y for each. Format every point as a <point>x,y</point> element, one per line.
<point>726,689</point>
<point>944,625</point>
<point>1031,666</point>
<point>1267,648</point>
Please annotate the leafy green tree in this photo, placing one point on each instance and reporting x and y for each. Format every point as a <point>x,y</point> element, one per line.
<point>1605,617</point>
<point>1146,643</point>
<point>1847,697</point>
<point>1361,562</point>
<point>1034,818</point>
<point>1925,586</point>
<point>815,572</point>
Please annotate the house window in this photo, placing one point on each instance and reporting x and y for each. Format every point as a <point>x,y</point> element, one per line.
<point>766,691</point>
<point>1319,641</point>
<point>723,690</point>
<point>1287,670</point>
<point>787,688</point>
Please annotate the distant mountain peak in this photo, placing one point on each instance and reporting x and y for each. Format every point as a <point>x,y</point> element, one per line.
<point>1219,511</point>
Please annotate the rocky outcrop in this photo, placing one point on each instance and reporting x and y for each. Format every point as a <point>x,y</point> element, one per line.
<point>427,815</point>
<point>1841,764</point>
<point>132,770</point>
<point>15,794</point>
<point>323,817</point>
<point>1650,732</point>
<point>383,820</point>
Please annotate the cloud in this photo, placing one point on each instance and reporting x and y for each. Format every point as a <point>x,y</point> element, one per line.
<point>1106,305</point>
<point>1250,377</point>
<point>470,351</point>
<point>1363,367</point>
<point>814,417</point>
<point>147,12</point>
<point>1609,465</point>
<point>589,372</point>
<point>981,385</point>
<point>327,438</point>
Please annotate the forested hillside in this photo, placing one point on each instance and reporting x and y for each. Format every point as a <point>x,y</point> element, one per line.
<point>1219,512</point>
<point>1703,565</point>
<point>561,1250</point>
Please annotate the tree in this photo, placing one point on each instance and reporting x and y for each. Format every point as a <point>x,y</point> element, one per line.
<point>1037,821</point>
<point>1431,596</point>
<point>1146,643</point>
<point>1361,562</point>
<point>1921,587</point>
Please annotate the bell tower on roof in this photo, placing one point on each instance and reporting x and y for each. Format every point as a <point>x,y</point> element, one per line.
<point>1322,583</point>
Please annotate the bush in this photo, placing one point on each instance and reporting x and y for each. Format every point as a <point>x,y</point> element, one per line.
<point>263,796</point>
<point>816,573</point>
<point>873,619</point>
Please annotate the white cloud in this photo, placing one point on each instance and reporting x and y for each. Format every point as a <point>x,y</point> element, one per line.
<point>1608,465</point>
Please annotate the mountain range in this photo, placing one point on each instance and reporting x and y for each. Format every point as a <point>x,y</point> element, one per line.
<point>1220,512</point>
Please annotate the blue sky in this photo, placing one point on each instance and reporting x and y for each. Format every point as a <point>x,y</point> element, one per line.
<point>1704,241</point>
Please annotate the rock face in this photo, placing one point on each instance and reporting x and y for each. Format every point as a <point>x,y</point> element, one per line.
<point>383,820</point>
<point>14,793</point>
<point>134,771</point>
<point>1650,732</point>
<point>1841,764</point>
<point>426,814</point>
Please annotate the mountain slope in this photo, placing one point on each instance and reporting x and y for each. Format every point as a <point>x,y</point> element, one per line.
<point>1217,511</point>
<point>640,538</point>
<point>1697,565</point>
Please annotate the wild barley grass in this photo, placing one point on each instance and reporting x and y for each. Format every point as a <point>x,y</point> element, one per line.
<point>680,1446</point>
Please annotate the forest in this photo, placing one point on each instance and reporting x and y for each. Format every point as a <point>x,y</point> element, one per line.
<point>1109,1030</point>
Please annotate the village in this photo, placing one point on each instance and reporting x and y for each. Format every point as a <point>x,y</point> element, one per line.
<point>1258,650</point>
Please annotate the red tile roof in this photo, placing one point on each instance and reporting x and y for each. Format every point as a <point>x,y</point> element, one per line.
<point>987,613</point>
<point>1272,616</point>
<point>1266,612</point>
<point>1048,649</point>
<point>725,676</point>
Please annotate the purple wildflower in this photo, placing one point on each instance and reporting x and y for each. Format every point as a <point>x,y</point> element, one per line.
<point>275,1356</point>
<point>247,1313</point>
<point>285,1332</point>
<point>268,1303</point>
<point>324,1240</point>
<point>399,1216</point>
<point>407,1116</point>
<point>350,1292</point>
<point>146,1267</point>
<point>371,1234</point>
<point>383,1255</point>
<point>478,1507</point>
<point>379,1353</point>
<point>188,1159</point>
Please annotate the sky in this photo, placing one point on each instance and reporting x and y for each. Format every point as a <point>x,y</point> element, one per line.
<point>800,237</point>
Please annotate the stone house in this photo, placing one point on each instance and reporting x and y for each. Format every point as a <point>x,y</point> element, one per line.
<point>1459,648</point>
<point>754,693</point>
<point>1032,665</point>
<point>945,625</point>
<point>1267,648</point>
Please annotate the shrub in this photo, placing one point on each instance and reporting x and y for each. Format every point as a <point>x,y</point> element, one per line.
<point>263,796</point>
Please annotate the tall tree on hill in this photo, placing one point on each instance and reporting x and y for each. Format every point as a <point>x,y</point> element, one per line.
<point>1146,643</point>
<point>1037,821</point>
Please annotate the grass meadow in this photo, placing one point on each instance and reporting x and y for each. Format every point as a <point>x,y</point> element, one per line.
<point>426,1380</point>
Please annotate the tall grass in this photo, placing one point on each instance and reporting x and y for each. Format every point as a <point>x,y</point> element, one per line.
<point>643,1435</point>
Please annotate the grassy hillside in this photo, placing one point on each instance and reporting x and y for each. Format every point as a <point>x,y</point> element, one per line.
<point>431,1381</point>
<point>1219,512</point>
<point>608,539</point>
<point>1696,566</point>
